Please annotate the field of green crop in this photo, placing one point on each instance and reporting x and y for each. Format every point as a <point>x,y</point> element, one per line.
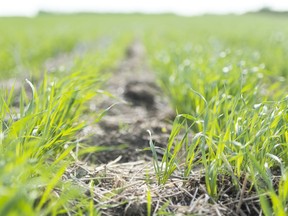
<point>225,76</point>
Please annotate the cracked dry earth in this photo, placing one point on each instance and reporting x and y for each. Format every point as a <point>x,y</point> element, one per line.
<point>123,176</point>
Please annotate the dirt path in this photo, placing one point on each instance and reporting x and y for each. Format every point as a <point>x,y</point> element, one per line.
<point>142,107</point>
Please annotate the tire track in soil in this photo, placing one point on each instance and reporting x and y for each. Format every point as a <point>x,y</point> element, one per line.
<point>144,108</point>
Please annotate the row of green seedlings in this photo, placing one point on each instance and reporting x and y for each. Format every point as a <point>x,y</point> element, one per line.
<point>36,147</point>
<point>39,138</point>
<point>236,130</point>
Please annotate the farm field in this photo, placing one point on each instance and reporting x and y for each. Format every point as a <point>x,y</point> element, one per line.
<point>108,114</point>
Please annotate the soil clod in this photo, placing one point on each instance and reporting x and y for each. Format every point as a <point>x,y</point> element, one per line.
<point>141,93</point>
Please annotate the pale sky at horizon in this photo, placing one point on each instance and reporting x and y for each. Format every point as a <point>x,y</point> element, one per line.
<point>184,7</point>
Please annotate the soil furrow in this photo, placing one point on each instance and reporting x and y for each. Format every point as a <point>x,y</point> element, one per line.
<point>142,107</point>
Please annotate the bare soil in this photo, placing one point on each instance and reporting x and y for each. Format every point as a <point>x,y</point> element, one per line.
<point>138,105</point>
